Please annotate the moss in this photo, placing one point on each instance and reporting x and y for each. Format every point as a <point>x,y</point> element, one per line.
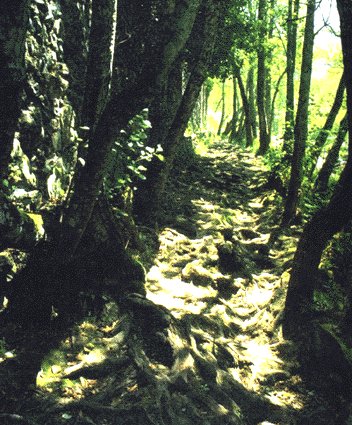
<point>345,348</point>
<point>38,222</point>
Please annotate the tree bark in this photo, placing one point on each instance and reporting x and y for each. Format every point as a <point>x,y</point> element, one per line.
<point>246,107</point>
<point>268,77</point>
<point>147,201</point>
<point>292,16</point>
<point>222,118</point>
<point>98,74</point>
<point>261,79</point>
<point>164,107</point>
<point>326,222</point>
<point>234,119</point>
<point>75,29</point>
<point>322,180</point>
<point>130,95</point>
<point>301,124</point>
<point>13,28</point>
<point>251,100</point>
<point>99,61</point>
<point>324,132</point>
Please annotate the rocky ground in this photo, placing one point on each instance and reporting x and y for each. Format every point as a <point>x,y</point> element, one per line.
<point>205,346</point>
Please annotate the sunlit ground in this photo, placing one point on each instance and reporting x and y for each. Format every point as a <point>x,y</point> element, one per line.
<point>244,323</point>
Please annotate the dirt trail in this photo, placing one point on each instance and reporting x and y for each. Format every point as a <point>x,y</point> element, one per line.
<point>226,280</point>
<point>205,346</point>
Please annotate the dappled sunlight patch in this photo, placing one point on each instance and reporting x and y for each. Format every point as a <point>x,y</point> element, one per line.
<point>177,305</point>
<point>259,297</point>
<point>286,398</point>
<point>263,361</point>
<point>180,289</point>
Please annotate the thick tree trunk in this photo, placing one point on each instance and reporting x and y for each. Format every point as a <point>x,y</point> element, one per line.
<point>326,222</point>
<point>261,79</point>
<point>130,95</point>
<point>75,36</point>
<point>292,16</point>
<point>101,265</point>
<point>147,201</point>
<point>317,233</point>
<point>322,180</point>
<point>99,61</point>
<point>301,124</point>
<point>98,73</point>
<point>246,107</point>
<point>330,120</point>
<point>13,28</point>
<point>164,107</point>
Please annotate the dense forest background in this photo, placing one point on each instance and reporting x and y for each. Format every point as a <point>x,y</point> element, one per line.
<point>110,111</point>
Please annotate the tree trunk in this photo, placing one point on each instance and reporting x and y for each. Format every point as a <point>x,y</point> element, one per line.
<point>292,16</point>
<point>326,222</point>
<point>322,181</point>
<point>75,36</point>
<point>99,61</point>
<point>276,92</point>
<point>234,119</point>
<point>164,107</point>
<point>261,79</point>
<point>13,28</point>
<point>301,124</point>
<point>324,132</point>
<point>268,76</point>
<point>246,107</point>
<point>130,95</point>
<point>222,118</point>
<point>205,98</point>
<point>98,73</point>
<point>251,100</point>
<point>147,201</point>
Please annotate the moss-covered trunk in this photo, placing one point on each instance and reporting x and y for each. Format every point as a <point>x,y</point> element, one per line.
<point>147,201</point>
<point>99,61</point>
<point>292,25</point>
<point>75,28</point>
<point>13,28</point>
<point>326,222</point>
<point>301,123</point>
<point>261,79</point>
<point>129,96</point>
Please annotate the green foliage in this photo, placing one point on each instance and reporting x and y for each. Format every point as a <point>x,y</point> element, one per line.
<point>131,155</point>
<point>3,347</point>
<point>278,163</point>
<point>340,254</point>
<point>330,300</point>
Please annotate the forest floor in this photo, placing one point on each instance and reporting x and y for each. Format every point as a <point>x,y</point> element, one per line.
<point>211,350</point>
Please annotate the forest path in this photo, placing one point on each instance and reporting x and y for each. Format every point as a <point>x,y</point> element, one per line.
<point>205,347</point>
<point>216,270</point>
